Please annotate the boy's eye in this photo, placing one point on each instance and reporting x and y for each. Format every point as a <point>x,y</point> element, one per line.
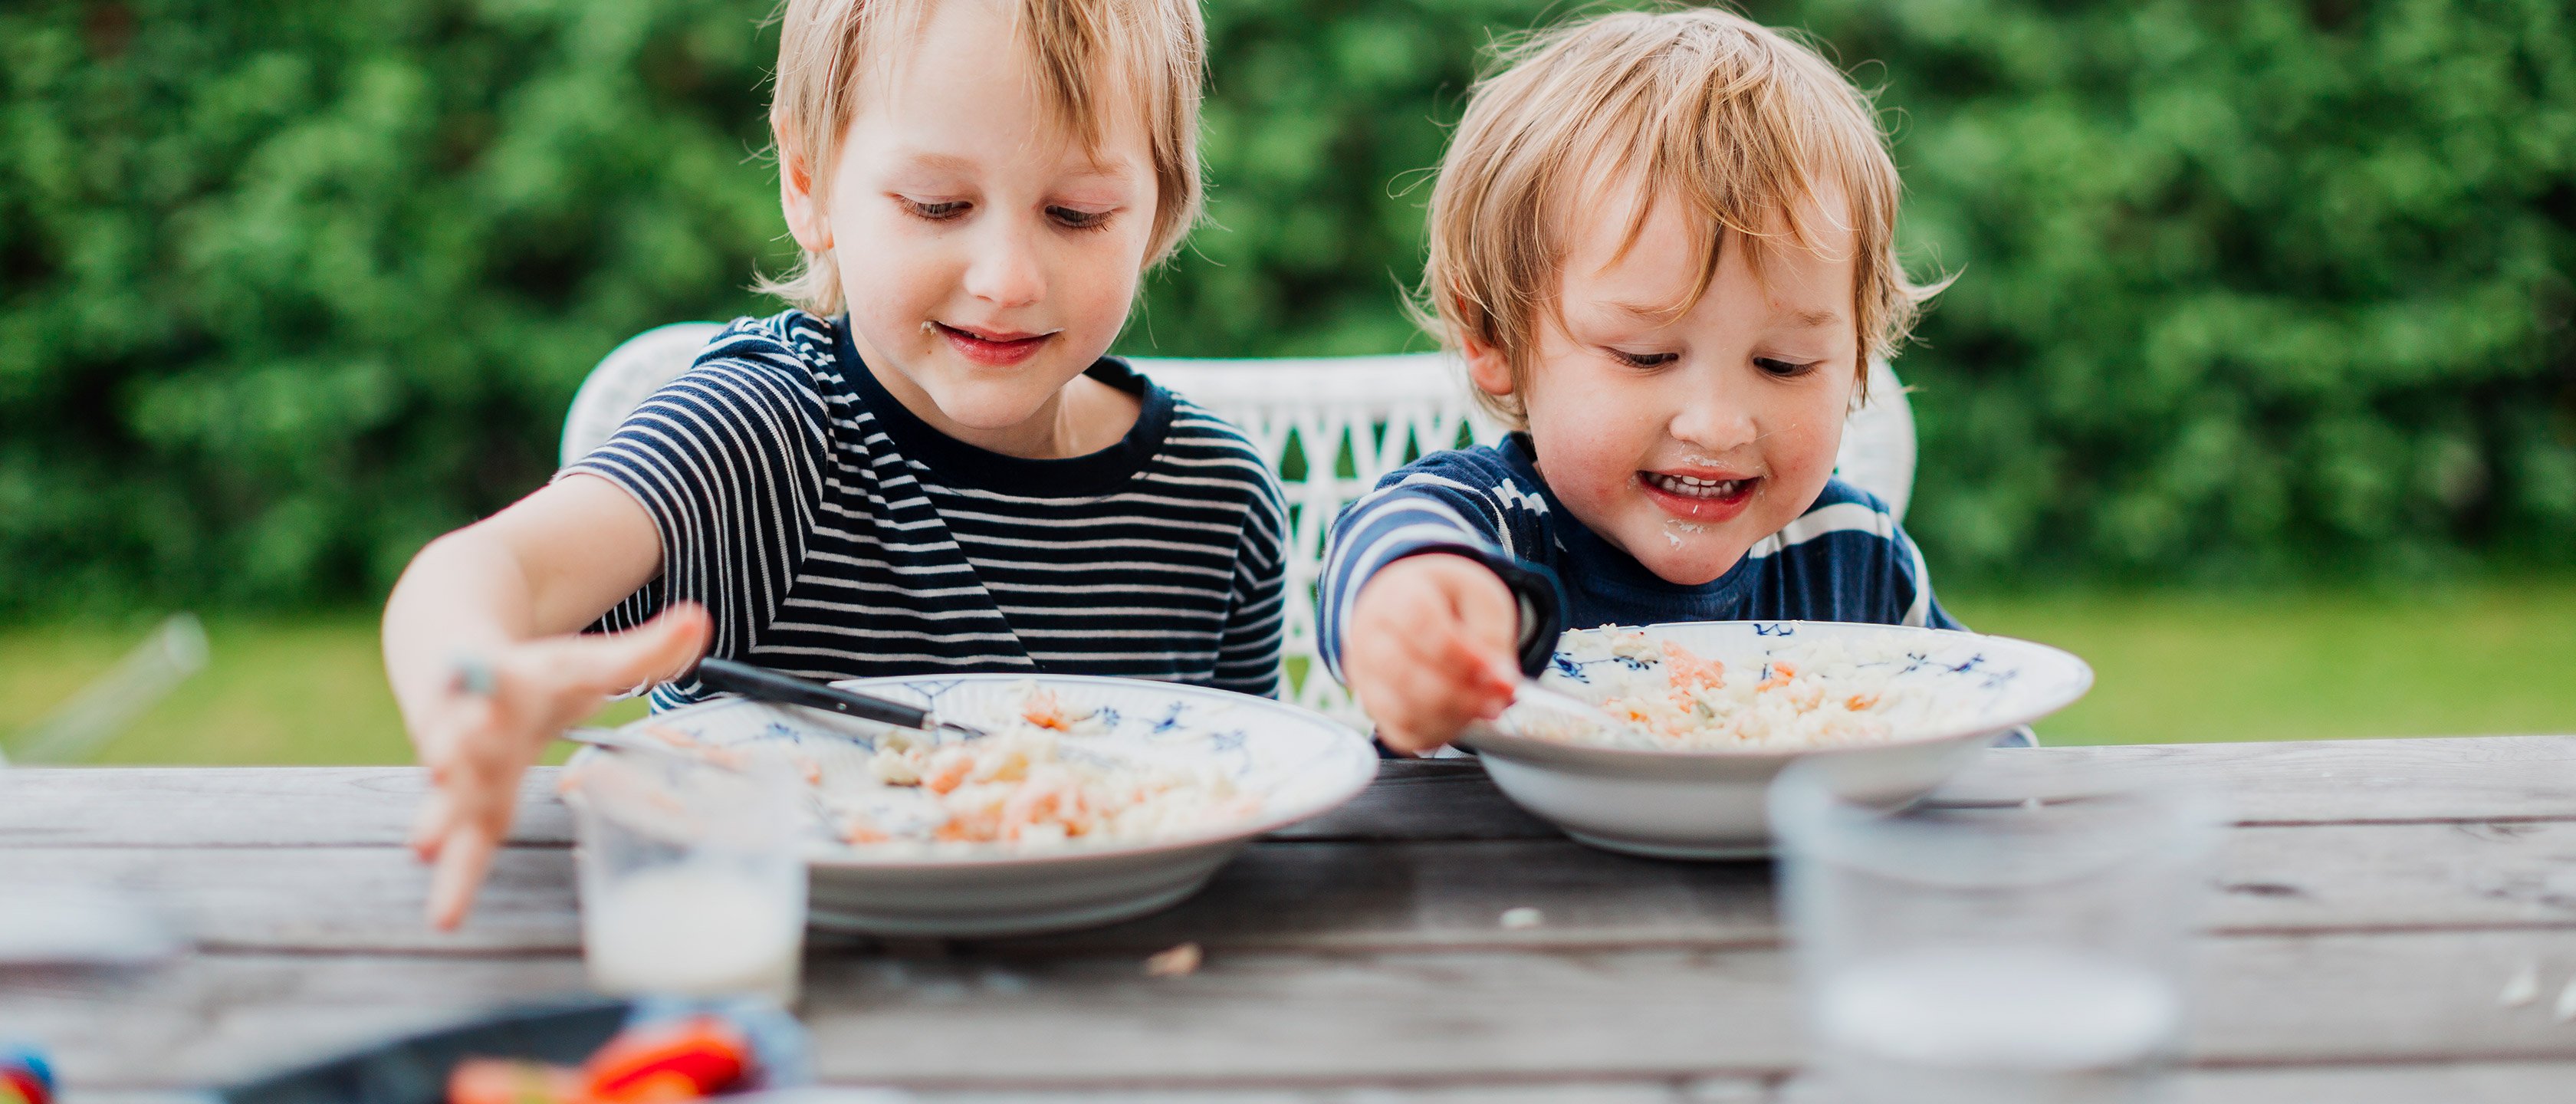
<point>1079,220</point>
<point>938,211</point>
<point>1783,369</point>
<point>1644,360</point>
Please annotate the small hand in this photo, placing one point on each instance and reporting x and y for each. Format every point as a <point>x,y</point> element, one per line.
<point>1429,649</point>
<point>496,720</point>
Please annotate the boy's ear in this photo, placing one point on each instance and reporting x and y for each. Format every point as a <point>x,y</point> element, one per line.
<point>806,219</point>
<point>1487,368</point>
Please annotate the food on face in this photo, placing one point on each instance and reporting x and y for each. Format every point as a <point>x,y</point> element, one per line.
<point>1806,694</point>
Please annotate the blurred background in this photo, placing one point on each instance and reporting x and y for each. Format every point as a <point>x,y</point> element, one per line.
<point>2257,387</point>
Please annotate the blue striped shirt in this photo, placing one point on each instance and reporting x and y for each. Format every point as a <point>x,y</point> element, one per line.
<point>831,533</point>
<point>1844,559</point>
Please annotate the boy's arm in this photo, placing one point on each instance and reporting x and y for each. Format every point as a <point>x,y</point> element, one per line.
<point>494,604</point>
<point>1433,514</point>
<point>1425,615</point>
<point>1247,658</point>
<point>681,532</point>
<point>726,462</point>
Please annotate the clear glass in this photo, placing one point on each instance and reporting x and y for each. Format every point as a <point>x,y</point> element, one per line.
<point>692,877</point>
<point>2024,944</point>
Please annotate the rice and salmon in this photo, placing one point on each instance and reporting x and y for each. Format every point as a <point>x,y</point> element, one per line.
<point>1807,693</point>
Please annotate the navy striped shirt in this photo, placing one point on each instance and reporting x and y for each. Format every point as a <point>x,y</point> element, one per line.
<point>1844,559</point>
<point>831,533</point>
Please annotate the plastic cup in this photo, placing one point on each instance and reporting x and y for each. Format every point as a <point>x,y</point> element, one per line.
<point>692,877</point>
<point>2025,948</point>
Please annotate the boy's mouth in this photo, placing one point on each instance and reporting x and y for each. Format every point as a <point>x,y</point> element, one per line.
<point>1704,497</point>
<point>998,347</point>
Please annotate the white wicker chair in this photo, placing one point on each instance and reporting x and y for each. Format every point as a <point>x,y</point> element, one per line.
<point>1337,423</point>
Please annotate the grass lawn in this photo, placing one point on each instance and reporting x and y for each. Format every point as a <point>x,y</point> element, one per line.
<point>2474,659</point>
<point>309,690</point>
<point>2490,659</point>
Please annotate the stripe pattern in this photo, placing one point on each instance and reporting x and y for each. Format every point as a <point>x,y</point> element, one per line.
<point>1844,559</point>
<point>832,534</point>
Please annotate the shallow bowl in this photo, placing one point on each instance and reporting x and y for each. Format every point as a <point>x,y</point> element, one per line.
<point>1709,804</point>
<point>1297,762</point>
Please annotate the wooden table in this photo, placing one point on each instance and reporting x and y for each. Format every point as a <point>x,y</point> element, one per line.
<point>2375,897</point>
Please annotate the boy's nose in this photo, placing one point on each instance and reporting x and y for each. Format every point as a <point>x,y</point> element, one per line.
<point>1005,270</point>
<point>1713,424</point>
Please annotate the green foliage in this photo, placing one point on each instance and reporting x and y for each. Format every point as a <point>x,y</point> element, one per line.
<point>287,288</point>
<point>2256,286</point>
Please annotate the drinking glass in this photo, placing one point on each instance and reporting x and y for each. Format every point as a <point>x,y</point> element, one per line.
<point>2024,945</point>
<point>692,877</point>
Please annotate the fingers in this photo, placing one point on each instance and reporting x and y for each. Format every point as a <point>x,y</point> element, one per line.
<point>1431,649</point>
<point>489,733</point>
<point>429,825</point>
<point>464,856</point>
<point>657,650</point>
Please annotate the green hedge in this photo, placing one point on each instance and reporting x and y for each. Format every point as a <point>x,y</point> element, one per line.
<point>287,288</point>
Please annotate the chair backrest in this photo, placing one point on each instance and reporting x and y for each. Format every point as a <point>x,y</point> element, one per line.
<point>1331,427</point>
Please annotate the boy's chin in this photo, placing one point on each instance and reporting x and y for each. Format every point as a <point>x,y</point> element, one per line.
<point>992,406</point>
<point>1699,560</point>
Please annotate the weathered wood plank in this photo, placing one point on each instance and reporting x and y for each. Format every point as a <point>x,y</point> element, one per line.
<point>240,807</point>
<point>358,806</point>
<point>1708,1091</point>
<point>1344,896</point>
<point>2464,779</point>
<point>2446,1082</point>
<point>2336,781</point>
<point>316,899</point>
<point>1287,1021</point>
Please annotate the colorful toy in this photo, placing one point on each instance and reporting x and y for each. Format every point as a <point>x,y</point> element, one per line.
<point>25,1077</point>
<point>672,1060</point>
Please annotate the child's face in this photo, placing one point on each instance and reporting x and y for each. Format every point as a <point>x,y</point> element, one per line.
<point>986,257</point>
<point>1685,440</point>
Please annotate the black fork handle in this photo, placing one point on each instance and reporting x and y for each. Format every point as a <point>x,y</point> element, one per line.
<point>761,684</point>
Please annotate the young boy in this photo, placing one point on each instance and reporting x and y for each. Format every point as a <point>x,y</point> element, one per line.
<point>929,465</point>
<point>1662,244</point>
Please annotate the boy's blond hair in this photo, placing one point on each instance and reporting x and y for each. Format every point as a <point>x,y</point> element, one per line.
<point>1699,105</point>
<point>1092,57</point>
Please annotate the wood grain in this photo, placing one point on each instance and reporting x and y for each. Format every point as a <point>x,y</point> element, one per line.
<point>2443,1082</point>
<point>2466,779</point>
<point>2369,908</point>
<point>1360,897</point>
<point>1296,1021</point>
<point>2332,781</point>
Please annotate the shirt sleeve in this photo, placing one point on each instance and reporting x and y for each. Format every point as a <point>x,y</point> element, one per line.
<point>1420,512</point>
<point>1247,658</point>
<point>727,459</point>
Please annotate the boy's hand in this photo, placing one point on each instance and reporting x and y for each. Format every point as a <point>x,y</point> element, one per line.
<point>486,731</point>
<point>1430,649</point>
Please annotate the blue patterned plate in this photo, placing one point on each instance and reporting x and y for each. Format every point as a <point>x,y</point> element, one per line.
<point>1962,690</point>
<point>1297,763</point>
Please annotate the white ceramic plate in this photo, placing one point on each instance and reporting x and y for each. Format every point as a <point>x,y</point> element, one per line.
<point>1709,805</point>
<point>1297,762</point>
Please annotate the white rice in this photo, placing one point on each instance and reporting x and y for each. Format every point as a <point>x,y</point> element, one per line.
<point>1809,693</point>
<point>1031,783</point>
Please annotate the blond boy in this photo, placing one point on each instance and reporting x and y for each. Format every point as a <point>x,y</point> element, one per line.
<point>929,465</point>
<point>1662,243</point>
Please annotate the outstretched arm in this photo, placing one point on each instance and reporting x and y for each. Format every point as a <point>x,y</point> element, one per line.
<point>480,648</point>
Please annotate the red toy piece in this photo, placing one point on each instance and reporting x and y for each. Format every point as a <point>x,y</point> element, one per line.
<point>680,1060</point>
